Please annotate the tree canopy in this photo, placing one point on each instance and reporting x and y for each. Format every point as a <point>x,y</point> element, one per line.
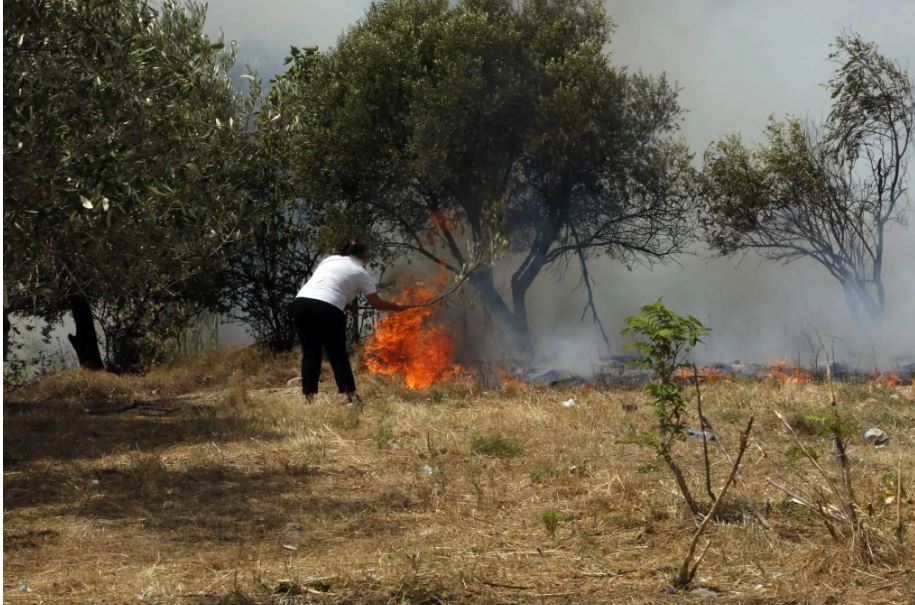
<point>826,193</point>
<point>282,231</point>
<point>494,129</point>
<point>121,150</point>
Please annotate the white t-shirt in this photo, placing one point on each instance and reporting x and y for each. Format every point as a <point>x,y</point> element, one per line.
<point>338,280</point>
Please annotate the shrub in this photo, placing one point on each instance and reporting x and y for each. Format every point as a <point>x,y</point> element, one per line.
<point>384,436</point>
<point>551,520</point>
<point>665,340</point>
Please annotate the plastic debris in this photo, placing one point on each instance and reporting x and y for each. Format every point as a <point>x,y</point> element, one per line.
<point>428,470</point>
<point>290,547</point>
<point>876,437</point>
<point>568,403</point>
<point>696,434</point>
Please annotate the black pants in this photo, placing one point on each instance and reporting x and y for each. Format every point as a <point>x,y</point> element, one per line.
<point>320,324</point>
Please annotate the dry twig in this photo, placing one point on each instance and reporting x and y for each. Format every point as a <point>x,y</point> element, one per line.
<point>688,568</point>
<point>702,428</point>
<point>900,530</point>
<point>463,276</point>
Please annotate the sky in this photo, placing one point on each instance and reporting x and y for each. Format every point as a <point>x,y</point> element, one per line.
<point>736,62</point>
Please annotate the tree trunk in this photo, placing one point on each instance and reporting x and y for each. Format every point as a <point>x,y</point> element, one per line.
<point>514,327</point>
<point>852,300</point>
<point>881,298</point>
<point>520,284</point>
<point>85,340</point>
<point>524,277</point>
<point>519,313</point>
<point>533,263</point>
<point>864,306</point>
<point>355,327</point>
<point>7,326</point>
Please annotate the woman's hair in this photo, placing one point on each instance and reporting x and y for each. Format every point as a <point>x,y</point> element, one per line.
<point>353,247</point>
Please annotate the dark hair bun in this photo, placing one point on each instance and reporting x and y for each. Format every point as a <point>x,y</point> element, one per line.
<point>353,247</point>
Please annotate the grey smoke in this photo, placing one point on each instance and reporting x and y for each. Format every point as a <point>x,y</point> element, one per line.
<point>737,62</point>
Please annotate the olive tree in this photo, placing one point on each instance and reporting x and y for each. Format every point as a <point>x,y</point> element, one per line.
<point>122,193</point>
<point>490,129</point>
<point>282,238</point>
<point>826,193</point>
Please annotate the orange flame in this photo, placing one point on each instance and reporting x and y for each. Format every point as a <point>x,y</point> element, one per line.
<point>779,370</point>
<point>887,379</point>
<point>705,374</point>
<point>411,344</point>
<point>509,381</point>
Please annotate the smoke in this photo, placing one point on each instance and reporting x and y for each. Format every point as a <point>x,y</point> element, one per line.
<point>756,311</point>
<point>737,63</point>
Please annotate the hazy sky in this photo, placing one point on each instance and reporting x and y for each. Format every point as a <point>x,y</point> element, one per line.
<point>737,61</point>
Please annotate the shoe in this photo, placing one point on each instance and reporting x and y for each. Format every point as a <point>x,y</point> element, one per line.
<point>353,399</point>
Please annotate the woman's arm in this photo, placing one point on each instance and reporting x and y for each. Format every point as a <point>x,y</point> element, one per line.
<point>381,304</point>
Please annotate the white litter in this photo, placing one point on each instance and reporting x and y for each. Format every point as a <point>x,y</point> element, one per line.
<point>568,403</point>
<point>876,437</point>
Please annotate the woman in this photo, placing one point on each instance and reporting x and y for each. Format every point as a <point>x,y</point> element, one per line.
<point>320,320</point>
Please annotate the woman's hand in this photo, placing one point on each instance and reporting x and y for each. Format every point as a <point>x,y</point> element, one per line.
<point>382,304</point>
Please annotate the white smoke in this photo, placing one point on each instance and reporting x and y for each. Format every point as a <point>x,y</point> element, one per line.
<point>737,63</point>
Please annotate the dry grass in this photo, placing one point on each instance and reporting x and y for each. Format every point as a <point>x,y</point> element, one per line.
<point>242,494</point>
<point>210,369</point>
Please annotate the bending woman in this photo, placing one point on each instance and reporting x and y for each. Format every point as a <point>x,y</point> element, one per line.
<point>319,318</point>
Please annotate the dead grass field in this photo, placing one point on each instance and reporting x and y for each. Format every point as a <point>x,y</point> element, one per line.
<point>210,482</point>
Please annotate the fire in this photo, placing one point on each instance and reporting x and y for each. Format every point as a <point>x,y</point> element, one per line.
<point>439,222</point>
<point>411,344</point>
<point>508,380</point>
<point>887,379</point>
<point>705,374</point>
<point>779,370</point>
